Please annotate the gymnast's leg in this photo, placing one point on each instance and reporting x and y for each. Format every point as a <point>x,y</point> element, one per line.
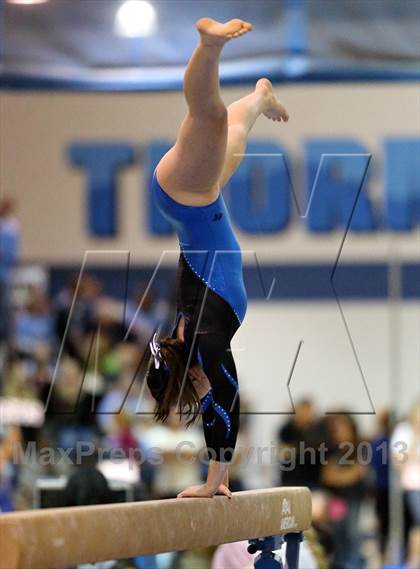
<point>190,172</point>
<point>242,115</point>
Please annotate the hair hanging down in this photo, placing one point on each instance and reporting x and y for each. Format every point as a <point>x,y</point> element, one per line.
<point>165,377</point>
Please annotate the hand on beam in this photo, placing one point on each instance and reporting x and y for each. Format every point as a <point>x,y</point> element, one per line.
<point>203,491</point>
<point>217,483</point>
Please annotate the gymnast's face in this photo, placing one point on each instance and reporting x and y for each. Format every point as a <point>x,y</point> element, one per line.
<point>195,373</point>
<point>180,329</point>
<point>167,381</point>
<point>166,387</point>
<point>199,380</point>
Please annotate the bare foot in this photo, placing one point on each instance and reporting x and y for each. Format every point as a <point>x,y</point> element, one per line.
<point>272,108</point>
<point>216,33</point>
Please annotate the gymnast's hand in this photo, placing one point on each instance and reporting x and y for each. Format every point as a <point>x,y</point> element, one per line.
<point>204,491</point>
<point>223,490</point>
<point>200,491</point>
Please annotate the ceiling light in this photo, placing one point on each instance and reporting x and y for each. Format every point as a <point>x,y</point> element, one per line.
<point>135,18</point>
<point>26,2</point>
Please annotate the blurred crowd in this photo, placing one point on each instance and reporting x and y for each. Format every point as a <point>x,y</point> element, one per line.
<point>80,356</point>
<point>351,476</point>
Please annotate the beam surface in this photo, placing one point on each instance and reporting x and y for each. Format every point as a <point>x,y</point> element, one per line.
<point>62,537</point>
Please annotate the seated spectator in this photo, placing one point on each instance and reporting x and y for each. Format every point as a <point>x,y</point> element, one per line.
<point>70,416</point>
<point>19,379</point>
<point>75,319</point>
<point>34,325</point>
<point>144,315</point>
<point>121,435</point>
<point>124,395</point>
<point>87,486</point>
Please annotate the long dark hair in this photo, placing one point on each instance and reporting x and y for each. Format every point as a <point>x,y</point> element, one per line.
<point>166,383</point>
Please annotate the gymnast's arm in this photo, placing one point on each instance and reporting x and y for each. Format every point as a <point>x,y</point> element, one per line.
<point>218,365</point>
<point>218,477</point>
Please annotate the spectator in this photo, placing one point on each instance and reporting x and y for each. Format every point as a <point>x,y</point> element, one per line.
<point>9,437</point>
<point>380,469</point>
<point>300,440</point>
<point>122,435</point>
<point>87,486</point>
<point>125,395</point>
<point>18,379</point>
<point>34,326</point>
<point>405,444</point>
<point>9,249</point>
<point>77,303</point>
<point>69,414</point>
<point>233,555</point>
<point>344,478</point>
<point>143,315</point>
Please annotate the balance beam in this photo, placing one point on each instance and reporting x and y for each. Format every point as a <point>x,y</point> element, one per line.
<point>62,537</point>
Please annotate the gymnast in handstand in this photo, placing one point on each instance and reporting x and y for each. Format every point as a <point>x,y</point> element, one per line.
<point>193,369</point>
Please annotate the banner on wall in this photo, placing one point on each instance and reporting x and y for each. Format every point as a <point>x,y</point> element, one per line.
<point>263,193</point>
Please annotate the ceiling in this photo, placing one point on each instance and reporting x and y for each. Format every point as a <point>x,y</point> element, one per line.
<point>73,44</point>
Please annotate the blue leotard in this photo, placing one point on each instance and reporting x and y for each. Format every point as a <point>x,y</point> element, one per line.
<point>209,245</point>
<point>212,299</point>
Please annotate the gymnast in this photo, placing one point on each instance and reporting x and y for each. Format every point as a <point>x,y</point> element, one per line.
<point>193,369</point>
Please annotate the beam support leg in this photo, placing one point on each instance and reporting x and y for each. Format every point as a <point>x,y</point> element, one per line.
<point>267,559</point>
<point>293,541</point>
